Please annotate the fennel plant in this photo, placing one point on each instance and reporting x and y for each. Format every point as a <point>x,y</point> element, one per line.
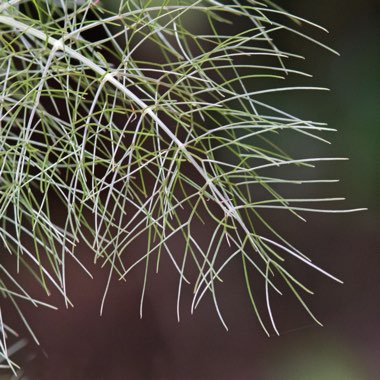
<point>140,120</point>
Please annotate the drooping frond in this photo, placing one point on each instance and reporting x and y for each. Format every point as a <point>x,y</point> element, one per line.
<point>142,122</point>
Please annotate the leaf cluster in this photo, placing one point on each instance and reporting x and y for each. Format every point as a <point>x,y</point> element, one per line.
<point>142,123</point>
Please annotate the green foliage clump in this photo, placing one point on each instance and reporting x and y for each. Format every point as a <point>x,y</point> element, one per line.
<point>141,122</point>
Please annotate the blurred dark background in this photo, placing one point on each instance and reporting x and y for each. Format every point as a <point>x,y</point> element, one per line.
<point>78,344</point>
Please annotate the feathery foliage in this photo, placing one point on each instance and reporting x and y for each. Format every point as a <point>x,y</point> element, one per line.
<point>140,123</point>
